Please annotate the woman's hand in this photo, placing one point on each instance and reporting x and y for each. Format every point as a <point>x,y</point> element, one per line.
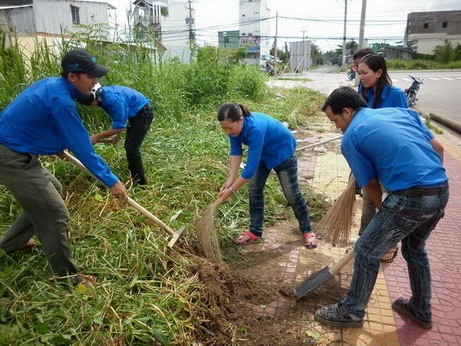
<point>224,194</point>
<point>226,185</point>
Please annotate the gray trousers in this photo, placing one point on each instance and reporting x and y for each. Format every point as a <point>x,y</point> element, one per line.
<point>44,211</point>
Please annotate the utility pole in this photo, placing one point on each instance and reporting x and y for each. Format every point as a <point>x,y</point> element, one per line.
<point>275,43</point>
<point>344,35</point>
<point>189,22</point>
<point>362,25</point>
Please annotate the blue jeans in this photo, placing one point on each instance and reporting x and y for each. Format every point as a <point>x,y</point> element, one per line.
<point>287,173</point>
<point>405,218</point>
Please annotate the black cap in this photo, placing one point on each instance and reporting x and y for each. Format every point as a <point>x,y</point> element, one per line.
<point>81,61</point>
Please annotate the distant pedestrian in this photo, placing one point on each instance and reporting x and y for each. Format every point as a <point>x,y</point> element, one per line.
<point>391,146</point>
<point>43,120</point>
<point>130,109</point>
<point>356,59</point>
<point>270,146</point>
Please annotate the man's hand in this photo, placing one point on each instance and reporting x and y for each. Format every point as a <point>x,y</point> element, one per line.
<point>118,190</point>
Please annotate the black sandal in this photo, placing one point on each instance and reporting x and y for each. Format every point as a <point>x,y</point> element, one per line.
<point>337,315</point>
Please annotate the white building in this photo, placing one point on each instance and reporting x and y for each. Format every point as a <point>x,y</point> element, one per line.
<point>47,20</point>
<point>254,25</point>
<point>178,30</point>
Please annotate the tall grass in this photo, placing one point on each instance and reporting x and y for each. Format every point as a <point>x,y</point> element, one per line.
<point>147,295</point>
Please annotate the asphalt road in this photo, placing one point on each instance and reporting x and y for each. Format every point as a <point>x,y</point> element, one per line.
<point>439,95</point>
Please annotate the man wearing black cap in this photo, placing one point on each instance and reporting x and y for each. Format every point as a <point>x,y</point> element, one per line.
<point>43,120</point>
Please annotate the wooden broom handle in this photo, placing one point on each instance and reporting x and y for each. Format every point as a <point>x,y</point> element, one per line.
<point>342,262</point>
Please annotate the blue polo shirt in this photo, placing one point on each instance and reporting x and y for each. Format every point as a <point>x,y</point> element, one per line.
<point>391,96</point>
<point>121,103</point>
<point>393,146</point>
<point>268,141</point>
<point>43,120</point>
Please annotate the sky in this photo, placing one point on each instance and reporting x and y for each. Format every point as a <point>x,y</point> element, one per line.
<point>321,21</point>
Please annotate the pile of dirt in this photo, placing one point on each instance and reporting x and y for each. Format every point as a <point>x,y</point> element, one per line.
<point>249,305</point>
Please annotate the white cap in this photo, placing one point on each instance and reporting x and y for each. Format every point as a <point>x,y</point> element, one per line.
<point>96,87</point>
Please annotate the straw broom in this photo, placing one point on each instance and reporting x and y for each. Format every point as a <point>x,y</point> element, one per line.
<point>336,224</point>
<point>207,236</point>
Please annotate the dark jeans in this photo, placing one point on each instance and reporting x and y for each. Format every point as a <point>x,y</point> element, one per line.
<point>405,218</point>
<point>287,173</point>
<point>135,134</point>
<point>44,212</point>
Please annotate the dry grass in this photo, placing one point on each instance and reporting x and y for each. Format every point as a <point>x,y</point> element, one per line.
<point>336,224</point>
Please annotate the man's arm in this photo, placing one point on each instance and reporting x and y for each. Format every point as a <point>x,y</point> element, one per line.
<point>438,147</point>
<point>96,138</point>
<point>373,188</point>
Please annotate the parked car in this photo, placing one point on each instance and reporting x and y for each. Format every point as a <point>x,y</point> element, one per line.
<point>336,61</point>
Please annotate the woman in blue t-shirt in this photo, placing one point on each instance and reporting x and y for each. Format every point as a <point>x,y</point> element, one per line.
<point>271,145</point>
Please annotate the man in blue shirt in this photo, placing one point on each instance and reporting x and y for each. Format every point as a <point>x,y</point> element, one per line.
<point>391,146</point>
<point>129,109</point>
<point>43,120</point>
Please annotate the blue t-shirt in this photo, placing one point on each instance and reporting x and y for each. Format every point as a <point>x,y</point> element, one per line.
<point>393,146</point>
<point>391,96</point>
<point>43,120</point>
<point>121,103</point>
<point>268,141</point>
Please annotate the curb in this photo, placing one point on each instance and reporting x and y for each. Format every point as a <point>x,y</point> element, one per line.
<point>446,122</point>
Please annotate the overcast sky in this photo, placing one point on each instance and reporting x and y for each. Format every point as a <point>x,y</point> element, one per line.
<point>321,21</point>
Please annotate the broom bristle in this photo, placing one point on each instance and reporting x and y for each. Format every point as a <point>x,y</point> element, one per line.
<point>336,224</point>
<point>208,239</point>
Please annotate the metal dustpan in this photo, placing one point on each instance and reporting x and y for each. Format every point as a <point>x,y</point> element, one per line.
<point>322,276</point>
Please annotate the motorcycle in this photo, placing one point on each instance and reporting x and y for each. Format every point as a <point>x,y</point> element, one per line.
<point>412,91</point>
<point>351,73</point>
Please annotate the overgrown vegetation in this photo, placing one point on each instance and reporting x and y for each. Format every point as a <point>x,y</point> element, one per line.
<point>147,295</point>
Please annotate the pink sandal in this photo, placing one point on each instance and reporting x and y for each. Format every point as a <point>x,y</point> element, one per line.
<point>310,240</point>
<point>247,238</point>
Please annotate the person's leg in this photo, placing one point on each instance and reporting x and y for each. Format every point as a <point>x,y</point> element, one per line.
<point>136,132</point>
<point>287,173</point>
<point>44,210</point>
<point>414,253</point>
<point>399,217</point>
<point>256,194</point>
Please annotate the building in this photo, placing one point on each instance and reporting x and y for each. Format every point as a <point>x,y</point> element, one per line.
<point>40,21</point>
<point>254,25</point>
<point>178,28</point>
<point>145,20</point>
<point>427,30</point>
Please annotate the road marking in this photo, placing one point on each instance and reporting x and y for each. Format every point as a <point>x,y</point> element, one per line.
<point>448,78</point>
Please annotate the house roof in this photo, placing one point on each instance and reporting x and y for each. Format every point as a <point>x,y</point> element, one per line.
<point>15,2</point>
